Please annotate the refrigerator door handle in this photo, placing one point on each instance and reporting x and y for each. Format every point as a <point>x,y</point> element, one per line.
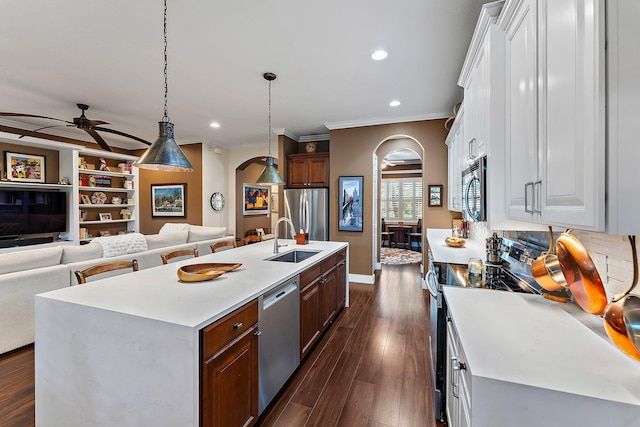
<point>307,216</point>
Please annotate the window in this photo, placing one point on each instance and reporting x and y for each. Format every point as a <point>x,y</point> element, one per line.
<point>401,199</point>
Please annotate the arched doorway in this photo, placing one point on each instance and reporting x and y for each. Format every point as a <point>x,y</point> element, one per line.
<point>399,180</point>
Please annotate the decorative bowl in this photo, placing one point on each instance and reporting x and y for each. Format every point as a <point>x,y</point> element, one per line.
<point>454,242</point>
<point>205,271</point>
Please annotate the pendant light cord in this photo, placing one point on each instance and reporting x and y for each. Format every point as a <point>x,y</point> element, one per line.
<point>165,118</point>
<point>269,118</point>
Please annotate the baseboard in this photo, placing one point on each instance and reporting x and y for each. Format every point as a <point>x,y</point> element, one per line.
<point>362,278</point>
<point>378,266</point>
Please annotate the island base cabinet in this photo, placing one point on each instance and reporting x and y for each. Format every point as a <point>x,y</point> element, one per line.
<point>309,318</point>
<point>229,377</point>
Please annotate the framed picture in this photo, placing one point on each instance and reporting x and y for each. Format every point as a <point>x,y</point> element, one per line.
<point>435,195</point>
<point>24,167</point>
<point>256,200</point>
<point>350,189</point>
<point>169,200</point>
<point>104,216</point>
<point>86,200</point>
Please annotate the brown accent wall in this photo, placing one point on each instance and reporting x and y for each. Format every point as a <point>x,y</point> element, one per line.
<point>352,154</point>
<point>151,225</point>
<point>248,175</point>
<point>51,159</point>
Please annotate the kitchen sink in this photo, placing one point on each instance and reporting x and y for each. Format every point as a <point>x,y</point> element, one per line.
<point>293,256</point>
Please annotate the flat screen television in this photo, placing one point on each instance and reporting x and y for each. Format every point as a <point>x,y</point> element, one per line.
<point>28,212</point>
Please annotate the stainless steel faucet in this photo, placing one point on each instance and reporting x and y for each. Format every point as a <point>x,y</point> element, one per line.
<point>275,233</point>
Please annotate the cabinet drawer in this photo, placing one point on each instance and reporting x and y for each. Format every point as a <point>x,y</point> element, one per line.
<point>310,274</point>
<point>225,330</point>
<point>329,262</point>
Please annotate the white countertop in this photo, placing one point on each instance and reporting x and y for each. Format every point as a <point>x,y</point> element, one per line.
<point>527,340</point>
<point>156,293</point>
<point>446,254</point>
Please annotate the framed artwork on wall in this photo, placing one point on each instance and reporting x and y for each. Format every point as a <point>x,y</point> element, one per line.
<point>350,189</point>
<point>435,195</point>
<point>168,200</point>
<point>24,167</point>
<point>256,199</point>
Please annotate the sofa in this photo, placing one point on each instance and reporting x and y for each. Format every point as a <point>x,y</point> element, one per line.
<point>28,272</point>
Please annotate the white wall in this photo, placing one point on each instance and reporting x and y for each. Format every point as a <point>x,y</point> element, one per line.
<point>215,177</point>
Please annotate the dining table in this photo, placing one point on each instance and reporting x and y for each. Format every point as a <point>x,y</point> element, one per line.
<point>401,235</point>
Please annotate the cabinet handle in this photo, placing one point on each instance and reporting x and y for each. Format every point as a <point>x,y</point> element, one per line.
<point>462,366</point>
<point>526,197</point>
<point>258,333</point>
<point>237,325</point>
<point>469,155</point>
<point>454,377</point>
<point>537,196</point>
<point>453,360</point>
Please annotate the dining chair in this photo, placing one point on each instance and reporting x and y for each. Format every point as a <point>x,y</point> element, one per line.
<point>105,267</point>
<point>179,253</point>
<point>385,235</point>
<point>417,235</point>
<point>226,243</point>
<point>250,239</point>
<point>401,236</point>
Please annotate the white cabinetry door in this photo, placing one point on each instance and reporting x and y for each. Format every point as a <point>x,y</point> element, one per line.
<point>458,382</point>
<point>455,161</point>
<point>521,111</point>
<point>572,112</point>
<point>555,112</point>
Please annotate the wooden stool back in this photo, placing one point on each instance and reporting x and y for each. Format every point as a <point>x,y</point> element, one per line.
<point>103,268</point>
<point>179,253</point>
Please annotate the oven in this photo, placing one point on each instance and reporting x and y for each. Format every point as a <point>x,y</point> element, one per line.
<point>474,187</point>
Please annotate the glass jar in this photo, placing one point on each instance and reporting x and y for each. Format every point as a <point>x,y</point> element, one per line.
<point>474,267</point>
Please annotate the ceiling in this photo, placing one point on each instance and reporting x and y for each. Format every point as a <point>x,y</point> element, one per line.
<point>109,55</point>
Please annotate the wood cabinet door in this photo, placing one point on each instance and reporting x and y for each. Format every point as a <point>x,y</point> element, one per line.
<point>229,384</point>
<point>309,317</point>
<point>328,298</point>
<point>341,289</point>
<point>318,171</point>
<point>296,172</point>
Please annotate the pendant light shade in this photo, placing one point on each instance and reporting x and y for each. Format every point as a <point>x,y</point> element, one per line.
<point>270,174</point>
<point>165,153</point>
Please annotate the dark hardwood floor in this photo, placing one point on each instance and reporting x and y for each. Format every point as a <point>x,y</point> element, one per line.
<point>370,369</point>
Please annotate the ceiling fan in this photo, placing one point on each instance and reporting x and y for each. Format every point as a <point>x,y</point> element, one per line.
<point>89,126</point>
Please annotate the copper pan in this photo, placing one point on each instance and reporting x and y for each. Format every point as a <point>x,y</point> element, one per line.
<point>622,315</point>
<point>581,275</point>
<point>546,269</point>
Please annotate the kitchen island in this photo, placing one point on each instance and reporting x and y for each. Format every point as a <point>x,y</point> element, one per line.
<point>125,350</point>
<point>521,360</point>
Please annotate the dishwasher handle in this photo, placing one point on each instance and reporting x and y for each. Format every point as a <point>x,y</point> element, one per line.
<point>280,293</point>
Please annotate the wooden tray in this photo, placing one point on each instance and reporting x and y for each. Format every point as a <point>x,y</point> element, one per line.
<point>205,271</point>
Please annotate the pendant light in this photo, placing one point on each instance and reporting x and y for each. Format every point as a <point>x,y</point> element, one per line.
<point>165,153</point>
<point>270,174</point>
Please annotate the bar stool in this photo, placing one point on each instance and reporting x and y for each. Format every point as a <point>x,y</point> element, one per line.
<point>226,243</point>
<point>179,253</point>
<point>103,268</point>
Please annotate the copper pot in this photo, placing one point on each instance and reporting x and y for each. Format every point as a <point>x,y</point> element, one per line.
<point>581,275</point>
<point>622,315</point>
<point>546,269</point>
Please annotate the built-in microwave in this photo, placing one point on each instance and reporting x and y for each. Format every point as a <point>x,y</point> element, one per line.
<point>474,185</point>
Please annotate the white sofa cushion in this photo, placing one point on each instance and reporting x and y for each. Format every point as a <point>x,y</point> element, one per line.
<point>155,241</point>
<point>30,259</point>
<point>130,243</point>
<point>71,253</point>
<point>198,233</point>
<point>172,227</point>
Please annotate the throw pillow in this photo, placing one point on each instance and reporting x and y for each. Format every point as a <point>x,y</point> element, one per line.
<point>155,241</point>
<point>172,227</point>
<point>197,233</point>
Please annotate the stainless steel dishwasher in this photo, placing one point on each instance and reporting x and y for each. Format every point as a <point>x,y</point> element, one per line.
<point>279,341</point>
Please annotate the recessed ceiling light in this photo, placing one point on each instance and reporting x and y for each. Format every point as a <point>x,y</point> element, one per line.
<point>394,103</point>
<point>215,125</point>
<point>379,55</point>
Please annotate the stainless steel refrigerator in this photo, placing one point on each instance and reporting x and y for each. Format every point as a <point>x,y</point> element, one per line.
<point>308,209</point>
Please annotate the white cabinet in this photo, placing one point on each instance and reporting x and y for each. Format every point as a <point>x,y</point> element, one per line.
<point>454,143</point>
<point>623,110</point>
<point>458,379</point>
<point>555,140</point>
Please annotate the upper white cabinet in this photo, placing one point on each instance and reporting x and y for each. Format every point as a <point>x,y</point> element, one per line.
<point>454,143</point>
<point>623,101</point>
<point>555,112</point>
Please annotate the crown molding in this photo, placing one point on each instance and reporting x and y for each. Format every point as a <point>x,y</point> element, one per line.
<point>385,121</point>
<point>285,132</point>
<point>314,138</point>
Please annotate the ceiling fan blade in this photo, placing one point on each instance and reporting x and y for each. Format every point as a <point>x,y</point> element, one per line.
<point>95,123</point>
<point>116,132</point>
<point>101,142</point>
<point>31,115</point>
<point>33,132</point>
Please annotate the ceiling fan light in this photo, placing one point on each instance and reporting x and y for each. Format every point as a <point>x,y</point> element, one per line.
<point>270,174</point>
<point>165,153</point>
